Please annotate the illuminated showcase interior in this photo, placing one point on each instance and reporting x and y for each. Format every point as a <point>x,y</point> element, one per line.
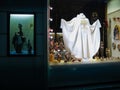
<point>59,55</point>
<point>108,46</point>
<point>21,34</point>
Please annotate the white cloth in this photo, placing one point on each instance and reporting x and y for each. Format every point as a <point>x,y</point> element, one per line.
<point>81,38</point>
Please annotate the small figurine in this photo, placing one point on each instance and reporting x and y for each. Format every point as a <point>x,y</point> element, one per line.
<point>114,45</point>
<point>108,52</point>
<point>118,46</point>
<point>29,47</point>
<point>17,42</point>
<point>67,56</point>
<point>51,56</point>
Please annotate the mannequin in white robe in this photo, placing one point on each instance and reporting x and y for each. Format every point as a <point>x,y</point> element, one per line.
<point>81,39</point>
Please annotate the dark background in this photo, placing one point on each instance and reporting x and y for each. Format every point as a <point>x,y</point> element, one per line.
<point>68,9</point>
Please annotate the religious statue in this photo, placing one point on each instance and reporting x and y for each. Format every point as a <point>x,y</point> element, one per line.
<point>18,40</point>
<point>80,38</point>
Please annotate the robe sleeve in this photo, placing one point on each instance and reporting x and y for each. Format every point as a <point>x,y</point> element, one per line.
<point>94,25</point>
<point>68,30</point>
<point>96,36</point>
<point>68,25</point>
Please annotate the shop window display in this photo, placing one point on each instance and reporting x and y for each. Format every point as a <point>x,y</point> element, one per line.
<point>21,34</point>
<point>114,30</point>
<point>81,38</point>
<point>72,47</point>
<point>59,55</point>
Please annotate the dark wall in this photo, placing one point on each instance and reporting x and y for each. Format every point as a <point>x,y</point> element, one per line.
<point>18,72</point>
<point>87,76</point>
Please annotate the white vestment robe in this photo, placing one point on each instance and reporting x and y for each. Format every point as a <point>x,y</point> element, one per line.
<point>80,38</point>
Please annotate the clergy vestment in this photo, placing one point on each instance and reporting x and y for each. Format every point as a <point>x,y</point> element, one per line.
<point>80,38</point>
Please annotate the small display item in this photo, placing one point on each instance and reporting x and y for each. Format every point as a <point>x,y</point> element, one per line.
<point>114,46</point>
<point>118,46</point>
<point>116,32</point>
<point>107,52</point>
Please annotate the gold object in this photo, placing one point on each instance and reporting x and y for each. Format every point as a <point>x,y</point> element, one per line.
<point>84,21</point>
<point>51,57</point>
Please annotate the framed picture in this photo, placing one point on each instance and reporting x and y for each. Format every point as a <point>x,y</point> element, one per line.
<point>21,34</point>
<point>116,32</point>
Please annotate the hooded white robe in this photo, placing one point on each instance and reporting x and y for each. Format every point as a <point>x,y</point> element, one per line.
<point>81,38</point>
